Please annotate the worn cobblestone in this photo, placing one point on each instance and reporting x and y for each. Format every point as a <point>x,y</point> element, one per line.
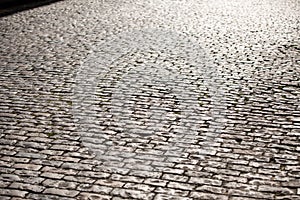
<point>61,192</point>
<point>151,99</point>
<point>29,187</point>
<point>132,194</point>
<point>94,188</point>
<point>13,193</point>
<point>88,196</point>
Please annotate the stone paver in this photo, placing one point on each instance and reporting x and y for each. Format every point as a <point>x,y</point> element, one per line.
<point>151,99</point>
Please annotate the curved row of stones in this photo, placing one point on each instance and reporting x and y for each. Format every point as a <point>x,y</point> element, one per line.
<point>87,111</point>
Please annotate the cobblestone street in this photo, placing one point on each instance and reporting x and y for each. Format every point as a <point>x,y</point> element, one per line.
<point>151,99</point>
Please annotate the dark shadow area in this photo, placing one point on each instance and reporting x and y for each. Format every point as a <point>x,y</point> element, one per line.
<point>8,7</point>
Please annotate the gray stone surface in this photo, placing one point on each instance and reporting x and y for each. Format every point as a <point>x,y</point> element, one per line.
<point>151,99</point>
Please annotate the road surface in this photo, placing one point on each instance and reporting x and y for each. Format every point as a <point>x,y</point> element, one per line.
<point>151,99</point>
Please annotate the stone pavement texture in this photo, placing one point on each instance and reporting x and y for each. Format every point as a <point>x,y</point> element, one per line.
<point>151,99</point>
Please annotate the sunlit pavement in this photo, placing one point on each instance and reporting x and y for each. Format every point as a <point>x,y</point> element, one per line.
<point>151,100</point>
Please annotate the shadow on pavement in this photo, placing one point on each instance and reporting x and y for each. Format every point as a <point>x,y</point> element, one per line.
<point>8,7</point>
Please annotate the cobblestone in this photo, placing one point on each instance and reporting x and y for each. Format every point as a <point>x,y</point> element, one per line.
<point>151,99</point>
<point>13,193</point>
<point>205,181</point>
<point>52,175</point>
<point>61,192</point>
<point>203,195</point>
<point>94,188</point>
<point>132,194</point>
<point>60,184</point>
<point>276,190</point>
<point>165,196</point>
<point>29,187</point>
<point>47,196</point>
<point>88,196</point>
